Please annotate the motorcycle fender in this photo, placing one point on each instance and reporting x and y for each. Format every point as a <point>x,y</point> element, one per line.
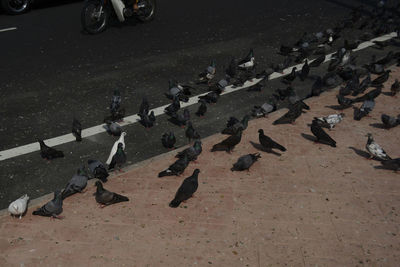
<point>119,9</point>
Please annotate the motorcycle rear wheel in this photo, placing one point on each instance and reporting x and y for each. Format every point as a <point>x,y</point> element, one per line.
<point>94,17</point>
<point>147,12</point>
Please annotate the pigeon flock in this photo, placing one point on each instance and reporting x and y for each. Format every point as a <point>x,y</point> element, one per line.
<point>311,50</point>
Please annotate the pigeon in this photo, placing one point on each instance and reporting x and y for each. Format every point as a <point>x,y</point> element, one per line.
<point>344,102</point>
<point>321,135</point>
<point>177,168</point>
<point>316,88</point>
<point>173,107</point>
<point>317,62</point>
<point>245,162</point>
<point>389,121</point>
<point>285,50</point>
<point>371,95</point>
<point>115,101</point>
<point>331,79</point>
<point>144,106</point>
<point>263,110</point>
<point>121,139</point>
<point>105,197</point>
<point>248,61</point>
<point>290,78</point>
<point>98,169</point>
<point>295,110</point>
<point>363,111</point>
<point>191,133</point>
<point>222,84</point>
<point>53,208</point>
<point>119,158</point>
<point>116,115</point>
<point>18,207</point>
<point>207,75</point>
<point>374,68</point>
<point>191,152</point>
<point>211,97</point>
<point>202,108</point>
<point>377,82</point>
<point>267,143</point>
<point>391,164</point>
<point>229,143</point>
<point>113,128</point>
<point>77,183</point>
<point>168,140</point>
<point>147,120</point>
<point>231,71</point>
<point>179,91</point>
<point>181,119</point>
<point>49,153</point>
<point>364,85</point>
<point>330,121</point>
<point>77,130</point>
<point>186,190</point>
<point>304,71</point>
<point>375,150</point>
<point>233,125</point>
<point>281,66</point>
<point>395,88</point>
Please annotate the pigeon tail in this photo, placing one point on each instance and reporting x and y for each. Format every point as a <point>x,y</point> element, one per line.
<point>219,147</point>
<point>280,147</point>
<point>120,198</point>
<point>167,172</point>
<point>174,203</point>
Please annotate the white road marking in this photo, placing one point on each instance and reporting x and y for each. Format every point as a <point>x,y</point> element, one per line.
<point>21,150</point>
<point>8,29</point>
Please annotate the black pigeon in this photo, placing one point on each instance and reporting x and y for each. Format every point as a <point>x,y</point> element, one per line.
<point>389,121</point>
<point>304,71</point>
<point>147,120</point>
<point>186,190</point>
<point>202,108</point>
<point>233,125</point>
<point>113,128</point>
<point>181,119</point>
<point>168,140</point>
<point>116,115</point>
<point>173,107</point>
<point>281,66</point>
<point>294,112</point>
<point>77,130</point>
<point>105,197</point>
<point>371,95</point>
<point>119,158</point>
<point>211,97</point>
<point>286,50</point>
<point>98,169</point>
<point>344,102</point>
<point>115,101</point>
<point>232,68</point>
<point>229,143</point>
<point>395,88</point>
<point>144,106</point>
<point>317,87</point>
<point>267,143</point>
<point>364,110</point>
<point>191,133</point>
<point>290,78</point>
<point>49,153</point>
<point>77,183</point>
<point>391,164</point>
<point>317,62</point>
<point>321,135</point>
<point>191,152</point>
<point>377,82</point>
<point>245,162</point>
<point>52,208</point>
<point>364,85</point>
<point>375,68</point>
<point>177,168</point>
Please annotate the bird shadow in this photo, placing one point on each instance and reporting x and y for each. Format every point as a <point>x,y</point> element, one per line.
<point>380,167</point>
<point>378,125</point>
<point>335,107</point>
<point>360,152</point>
<point>309,137</point>
<point>387,93</point>
<point>175,121</point>
<point>261,148</point>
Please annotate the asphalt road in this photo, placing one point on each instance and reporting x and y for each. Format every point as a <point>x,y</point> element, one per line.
<point>51,70</point>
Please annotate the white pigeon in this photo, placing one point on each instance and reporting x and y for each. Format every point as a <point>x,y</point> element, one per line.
<point>18,207</point>
<point>375,150</point>
<point>115,147</point>
<point>331,120</point>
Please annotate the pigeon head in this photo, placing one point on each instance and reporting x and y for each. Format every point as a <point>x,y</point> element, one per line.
<point>123,133</point>
<point>196,172</point>
<point>120,146</point>
<point>261,131</point>
<point>81,170</point>
<point>99,186</point>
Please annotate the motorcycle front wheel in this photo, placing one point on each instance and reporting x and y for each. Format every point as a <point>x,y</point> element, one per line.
<point>147,10</point>
<point>94,16</point>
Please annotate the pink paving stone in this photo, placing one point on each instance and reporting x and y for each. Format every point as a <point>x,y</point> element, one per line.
<point>311,205</point>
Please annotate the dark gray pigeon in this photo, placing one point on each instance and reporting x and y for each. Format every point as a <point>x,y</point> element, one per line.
<point>77,183</point>
<point>371,95</point>
<point>364,110</point>
<point>304,71</point>
<point>263,110</point>
<point>377,82</point>
<point>113,128</point>
<point>119,158</point>
<point>318,61</point>
<point>344,102</point>
<point>186,190</point>
<point>177,168</point>
<point>229,143</point>
<point>53,208</point>
<point>49,153</point>
<point>321,135</point>
<point>77,130</point>
<point>147,120</point>
<point>191,133</point>
<point>168,140</point>
<point>202,108</point>
<point>191,152</point>
<point>233,125</point>
<point>295,111</point>
<point>144,106</point>
<point>173,107</point>
<point>181,119</point>
<point>389,121</point>
<point>267,143</point>
<point>245,162</point>
<point>395,88</point>
<point>115,101</point>
<point>105,197</point>
<point>98,169</point>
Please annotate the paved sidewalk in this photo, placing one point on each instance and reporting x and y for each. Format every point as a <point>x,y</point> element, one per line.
<point>312,206</point>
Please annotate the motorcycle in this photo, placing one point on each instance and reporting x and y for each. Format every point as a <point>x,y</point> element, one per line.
<point>96,14</point>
